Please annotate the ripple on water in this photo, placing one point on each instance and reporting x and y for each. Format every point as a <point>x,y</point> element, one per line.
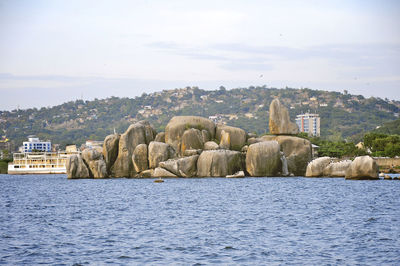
<point>49,219</point>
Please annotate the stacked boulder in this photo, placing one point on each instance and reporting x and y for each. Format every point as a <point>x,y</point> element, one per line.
<point>90,164</point>
<point>193,146</point>
<point>296,151</point>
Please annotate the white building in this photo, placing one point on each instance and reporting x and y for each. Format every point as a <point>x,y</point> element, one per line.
<point>35,144</point>
<point>309,123</point>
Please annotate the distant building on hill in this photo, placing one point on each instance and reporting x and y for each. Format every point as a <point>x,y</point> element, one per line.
<point>92,144</point>
<point>309,123</point>
<point>35,144</point>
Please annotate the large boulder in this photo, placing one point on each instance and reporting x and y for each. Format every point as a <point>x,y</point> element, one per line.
<point>237,136</point>
<point>316,167</point>
<point>139,158</point>
<point>183,167</point>
<point>95,163</point>
<point>337,169</point>
<point>138,133</point>
<point>206,135</point>
<point>146,174</point>
<point>225,142</point>
<point>239,174</point>
<point>264,159</point>
<point>159,152</point>
<point>210,145</point>
<point>192,139</point>
<point>219,163</point>
<point>279,120</point>
<point>160,137</point>
<point>98,168</point>
<point>76,168</point>
<point>161,172</point>
<point>110,150</point>
<point>298,152</point>
<point>91,155</point>
<point>179,124</point>
<point>363,167</point>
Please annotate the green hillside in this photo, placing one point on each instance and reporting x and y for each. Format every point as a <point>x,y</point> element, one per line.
<point>343,116</point>
<point>389,128</point>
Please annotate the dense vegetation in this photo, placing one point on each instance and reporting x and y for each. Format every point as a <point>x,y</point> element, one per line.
<point>338,149</point>
<point>382,144</point>
<point>343,116</point>
<point>376,144</point>
<point>4,166</point>
<point>391,128</point>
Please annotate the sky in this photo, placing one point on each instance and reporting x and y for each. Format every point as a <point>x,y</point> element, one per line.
<point>57,51</point>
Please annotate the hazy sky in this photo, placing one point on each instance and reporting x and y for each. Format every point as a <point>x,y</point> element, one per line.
<point>56,51</point>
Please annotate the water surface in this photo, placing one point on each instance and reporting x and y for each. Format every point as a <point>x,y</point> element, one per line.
<point>49,219</point>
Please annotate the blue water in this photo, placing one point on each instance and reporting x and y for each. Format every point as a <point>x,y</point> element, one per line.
<point>49,219</point>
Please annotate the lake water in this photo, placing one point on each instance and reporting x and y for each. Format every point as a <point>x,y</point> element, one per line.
<point>49,219</point>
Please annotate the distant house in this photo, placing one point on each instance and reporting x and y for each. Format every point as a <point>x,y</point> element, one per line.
<point>71,148</point>
<point>93,143</point>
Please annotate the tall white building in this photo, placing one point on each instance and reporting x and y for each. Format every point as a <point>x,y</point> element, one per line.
<point>309,123</point>
<point>34,143</point>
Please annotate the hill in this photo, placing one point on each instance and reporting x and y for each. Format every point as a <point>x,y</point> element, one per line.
<point>342,115</point>
<point>389,128</point>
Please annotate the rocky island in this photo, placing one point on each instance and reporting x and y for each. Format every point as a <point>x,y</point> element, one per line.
<point>194,146</point>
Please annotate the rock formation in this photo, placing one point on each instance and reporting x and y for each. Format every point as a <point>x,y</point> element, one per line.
<point>110,150</point>
<point>94,161</point>
<point>192,139</point>
<point>98,169</point>
<point>182,167</point>
<point>297,150</point>
<point>160,137</point>
<point>237,136</point>
<point>179,124</point>
<point>363,167</point>
<point>76,168</point>
<point>194,146</point>
<point>337,169</point>
<point>279,120</point>
<point>159,152</point>
<point>264,159</point>
<point>140,158</point>
<point>219,163</point>
<point>210,145</point>
<point>139,133</point>
<point>316,167</point>
<point>161,172</point>
<point>225,142</point>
